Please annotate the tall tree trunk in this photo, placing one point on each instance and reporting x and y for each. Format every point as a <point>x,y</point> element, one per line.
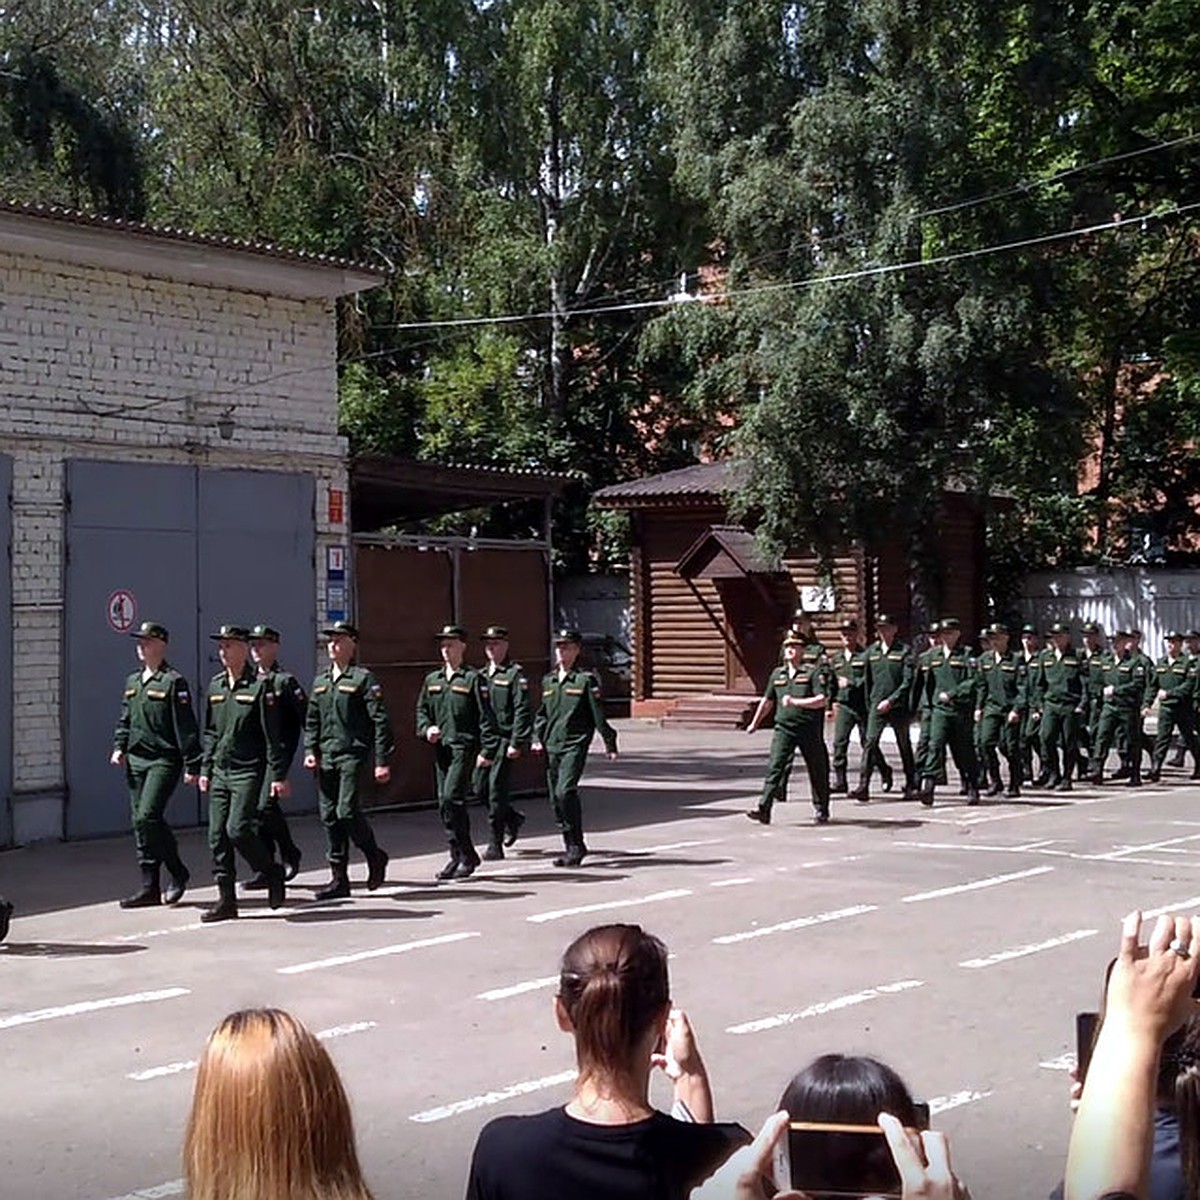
<point>560,354</point>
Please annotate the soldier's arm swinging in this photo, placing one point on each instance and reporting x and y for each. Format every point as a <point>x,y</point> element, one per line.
<point>277,759</point>
<point>760,713</point>
<point>490,747</point>
<point>606,731</point>
<point>187,733</point>
<point>121,733</point>
<point>385,744</point>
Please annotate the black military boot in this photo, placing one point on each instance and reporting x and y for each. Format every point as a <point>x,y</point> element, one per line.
<point>1176,759</point>
<point>226,908</point>
<point>513,824</point>
<point>468,862</point>
<point>150,895</point>
<point>291,856</point>
<point>839,786</point>
<point>447,872</point>
<point>495,847</point>
<point>926,795</point>
<point>887,777</point>
<point>179,880</point>
<point>377,861</point>
<point>996,784</point>
<point>257,883</point>
<point>6,912</point>
<point>572,856</point>
<point>338,887</point>
<point>1014,785</point>
<point>276,886</point>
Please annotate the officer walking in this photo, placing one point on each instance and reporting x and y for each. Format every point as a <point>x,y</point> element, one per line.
<point>346,722</point>
<point>157,741</point>
<point>243,755</point>
<point>796,692</point>
<point>1000,707</point>
<point>1058,692</point>
<point>849,668</point>
<point>1124,693</point>
<point>569,715</point>
<point>508,689</point>
<point>292,704</point>
<point>889,692</point>
<point>1093,655</point>
<point>949,690</point>
<point>1192,651</point>
<point>455,717</point>
<point>1175,684</point>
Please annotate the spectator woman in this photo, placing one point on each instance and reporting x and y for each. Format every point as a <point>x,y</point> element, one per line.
<point>270,1119</point>
<point>609,1143</point>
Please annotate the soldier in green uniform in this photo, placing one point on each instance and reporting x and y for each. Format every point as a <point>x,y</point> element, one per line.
<point>1057,690</point>
<point>1000,707</point>
<point>849,668</point>
<point>346,722</point>
<point>157,742</point>
<point>984,642</point>
<point>569,714</point>
<point>1031,647</point>
<point>922,707</point>
<point>454,715</point>
<point>889,673</point>
<point>1192,650</point>
<point>1175,684</point>
<point>1093,654</point>
<point>1124,692</point>
<point>509,691</point>
<point>949,688</point>
<point>241,749</point>
<point>292,704</point>
<point>797,693</point>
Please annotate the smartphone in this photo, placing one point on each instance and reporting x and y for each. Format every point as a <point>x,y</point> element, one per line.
<point>1087,1025</point>
<point>828,1160</point>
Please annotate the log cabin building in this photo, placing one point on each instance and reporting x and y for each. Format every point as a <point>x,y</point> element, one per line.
<point>709,611</point>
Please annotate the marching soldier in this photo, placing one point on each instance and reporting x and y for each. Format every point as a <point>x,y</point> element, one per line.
<point>1031,647</point>
<point>949,689</point>
<point>1124,693</point>
<point>889,692</point>
<point>242,755</point>
<point>1192,649</point>
<point>1093,655</point>
<point>156,741</point>
<point>1000,707</point>
<point>568,716</point>
<point>292,705</point>
<point>815,655</point>
<point>346,722</point>
<point>849,668</point>
<point>1057,691</point>
<point>796,691</point>
<point>455,717</point>
<point>922,706</point>
<point>509,692</point>
<point>1175,683</point>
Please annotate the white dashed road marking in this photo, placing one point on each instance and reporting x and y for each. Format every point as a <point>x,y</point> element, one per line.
<point>1034,948</point>
<point>341,960</point>
<point>839,914</point>
<point>654,898</point>
<point>941,1104</point>
<point>518,989</point>
<point>489,1098</point>
<point>975,885</point>
<point>826,1006</point>
<point>173,1187</point>
<point>87,1006</point>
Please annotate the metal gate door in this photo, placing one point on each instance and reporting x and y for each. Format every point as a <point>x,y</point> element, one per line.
<point>6,689</point>
<point>131,556</point>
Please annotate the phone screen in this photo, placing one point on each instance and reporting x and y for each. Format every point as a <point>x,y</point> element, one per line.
<point>842,1160</point>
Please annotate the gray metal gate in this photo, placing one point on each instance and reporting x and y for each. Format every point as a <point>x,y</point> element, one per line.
<point>181,545</point>
<point>6,663</point>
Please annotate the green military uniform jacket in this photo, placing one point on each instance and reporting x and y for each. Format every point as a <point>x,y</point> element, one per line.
<point>1129,680</point>
<point>851,666</point>
<point>1000,683</point>
<point>953,674</point>
<point>889,675</point>
<point>1061,682</point>
<point>1094,688</point>
<point>806,681</point>
<point>509,691</point>
<point>571,712</point>
<point>158,722</point>
<point>293,708</point>
<point>347,717</point>
<point>241,727</point>
<point>1176,677</point>
<point>459,705</point>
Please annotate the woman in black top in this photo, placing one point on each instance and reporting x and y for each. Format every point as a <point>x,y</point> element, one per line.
<point>608,1143</point>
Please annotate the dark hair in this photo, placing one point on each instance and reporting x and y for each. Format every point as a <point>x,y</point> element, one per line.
<point>613,985</point>
<point>848,1090</point>
<point>1179,1088</point>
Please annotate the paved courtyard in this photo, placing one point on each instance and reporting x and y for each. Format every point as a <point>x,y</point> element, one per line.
<point>956,943</point>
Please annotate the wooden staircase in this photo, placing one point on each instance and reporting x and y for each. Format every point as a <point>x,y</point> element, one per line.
<point>720,710</point>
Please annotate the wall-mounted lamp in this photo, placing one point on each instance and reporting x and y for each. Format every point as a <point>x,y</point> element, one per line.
<point>226,425</point>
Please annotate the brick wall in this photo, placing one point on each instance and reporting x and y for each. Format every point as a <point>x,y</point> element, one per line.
<point>105,364</point>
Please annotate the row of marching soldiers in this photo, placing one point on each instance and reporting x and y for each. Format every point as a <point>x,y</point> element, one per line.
<point>1042,715</point>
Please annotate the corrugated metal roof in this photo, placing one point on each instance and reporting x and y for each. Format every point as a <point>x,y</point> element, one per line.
<point>72,216</point>
<point>715,479</point>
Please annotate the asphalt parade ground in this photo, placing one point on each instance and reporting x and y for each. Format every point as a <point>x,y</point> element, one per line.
<point>955,943</point>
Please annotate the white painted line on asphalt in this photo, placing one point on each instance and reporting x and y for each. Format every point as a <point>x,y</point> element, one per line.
<point>732,882</point>
<point>518,989</point>
<point>1046,851</point>
<point>975,885</point>
<point>340,960</point>
<point>338,1031</point>
<point>1181,906</point>
<point>1064,1062</point>
<point>1052,807</point>
<point>87,1006</point>
<point>1034,948</point>
<point>839,914</point>
<point>676,846</point>
<point>941,1104</point>
<point>489,1098</point>
<point>825,1006</point>
<point>1124,850</point>
<point>153,933</point>
<point>653,898</point>
<point>173,1187</point>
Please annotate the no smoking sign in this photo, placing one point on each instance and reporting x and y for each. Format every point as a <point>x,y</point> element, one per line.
<point>122,610</point>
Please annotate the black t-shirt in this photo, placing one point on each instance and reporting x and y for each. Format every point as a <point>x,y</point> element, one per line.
<point>553,1156</point>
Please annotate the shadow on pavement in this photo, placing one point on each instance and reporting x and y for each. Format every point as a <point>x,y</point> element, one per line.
<point>65,950</point>
<point>463,893</point>
<point>322,916</point>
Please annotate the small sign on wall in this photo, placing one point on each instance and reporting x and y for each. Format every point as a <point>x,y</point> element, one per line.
<point>122,610</point>
<point>335,582</point>
<point>337,506</point>
<point>817,599</point>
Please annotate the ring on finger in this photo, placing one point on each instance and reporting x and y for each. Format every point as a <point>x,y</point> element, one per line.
<point>1180,948</point>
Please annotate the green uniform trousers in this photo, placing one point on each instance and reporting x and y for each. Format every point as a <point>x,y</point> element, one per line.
<point>845,722</point>
<point>492,786</point>
<point>955,730</point>
<point>341,809</point>
<point>937,769</point>
<point>1181,716</point>
<point>1031,742</point>
<point>564,769</point>
<point>452,767</point>
<point>1122,727</point>
<point>233,822</point>
<point>151,785</point>
<point>873,757</point>
<point>998,735</point>
<point>1060,729</point>
<point>272,824</point>
<point>809,739</point>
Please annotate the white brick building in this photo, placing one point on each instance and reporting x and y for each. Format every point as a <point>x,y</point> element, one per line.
<point>144,349</point>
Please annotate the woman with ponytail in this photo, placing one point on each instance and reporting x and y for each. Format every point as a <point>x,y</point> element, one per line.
<point>609,1143</point>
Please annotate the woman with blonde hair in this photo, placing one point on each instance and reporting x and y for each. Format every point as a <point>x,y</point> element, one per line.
<point>270,1119</point>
